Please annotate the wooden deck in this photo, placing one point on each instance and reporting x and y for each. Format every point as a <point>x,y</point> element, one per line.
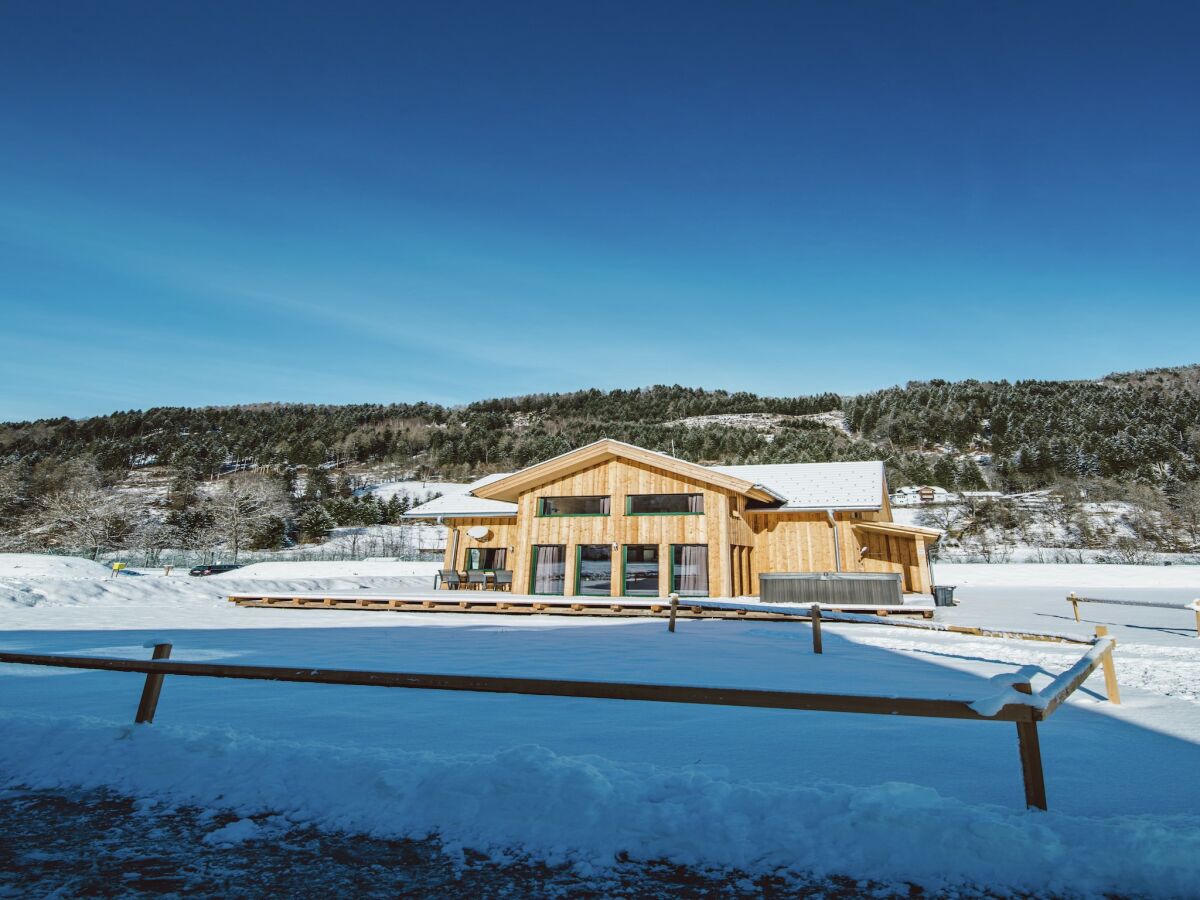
<point>495,603</point>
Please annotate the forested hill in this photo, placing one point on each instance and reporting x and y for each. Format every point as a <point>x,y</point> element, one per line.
<point>1141,426</point>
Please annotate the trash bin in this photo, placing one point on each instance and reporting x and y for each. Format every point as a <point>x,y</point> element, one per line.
<point>943,595</point>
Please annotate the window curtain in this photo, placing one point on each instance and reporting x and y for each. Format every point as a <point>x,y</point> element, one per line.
<point>695,503</point>
<point>691,569</point>
<point>606,505</point>
<point>551,569</point>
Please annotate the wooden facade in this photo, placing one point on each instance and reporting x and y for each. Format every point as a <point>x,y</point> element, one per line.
<point>742,539</point>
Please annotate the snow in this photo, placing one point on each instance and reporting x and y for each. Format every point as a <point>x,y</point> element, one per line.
<point>416,491</point>
<point>331,569</point>
<point>933,802</point>
<point>1071,576</point>
<point>37,565</point>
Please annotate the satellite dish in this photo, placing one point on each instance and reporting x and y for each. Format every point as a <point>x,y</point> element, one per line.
<point>479,532</point>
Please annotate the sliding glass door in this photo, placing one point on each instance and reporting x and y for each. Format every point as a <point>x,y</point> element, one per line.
<point>641,570</point>
<point>549,569</point>
<point>689,570</point>
<point>593,570</point>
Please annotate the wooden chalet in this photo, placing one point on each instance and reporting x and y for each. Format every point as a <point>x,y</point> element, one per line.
<point>611,520</point>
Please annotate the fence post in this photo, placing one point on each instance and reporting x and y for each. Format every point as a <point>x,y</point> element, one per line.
<point>674,609</point>
<point>1074,605</point>
<point>815,615</point>
<point>1031,756</point>
<point>1110,670</point>
<point>152,688</point>
<point>1196,606</point>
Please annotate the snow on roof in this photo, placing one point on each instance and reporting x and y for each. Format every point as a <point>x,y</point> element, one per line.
<point>835,485</point>
<point>463,503</point>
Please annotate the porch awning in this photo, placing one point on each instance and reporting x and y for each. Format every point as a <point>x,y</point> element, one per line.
<point>898,530</point>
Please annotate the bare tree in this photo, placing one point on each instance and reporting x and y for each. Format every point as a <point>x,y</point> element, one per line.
<point>84,518</point>
<point>151,537</point>
<point>1188,512</point>
<point>242,505</point>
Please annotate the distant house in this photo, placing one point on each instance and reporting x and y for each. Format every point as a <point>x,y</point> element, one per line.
<point>612,519</point>
<point>918,494</point>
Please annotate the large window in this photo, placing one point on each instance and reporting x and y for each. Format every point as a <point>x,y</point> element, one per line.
<point>641,570</point>
<point>549,569</point>
<point>664,504</point>
<point>593,570</point>
<point>486,557</point>
<point>689,570</point>
<point>573,506</point>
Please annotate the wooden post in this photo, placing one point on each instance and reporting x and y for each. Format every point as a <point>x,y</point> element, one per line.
<point>674,609</point>
<point>815,614</point>
<point>1196,604</point>
<point>1110,671</point>
<point>1074,604</point>
<point>1031,757</point>
<point>152,688</point>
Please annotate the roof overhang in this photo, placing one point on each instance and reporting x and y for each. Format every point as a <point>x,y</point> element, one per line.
<point>512,486</point>
<point>895,528</point>
<point>459,515</point>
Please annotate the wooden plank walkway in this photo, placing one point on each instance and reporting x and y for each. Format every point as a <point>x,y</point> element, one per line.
<point>491,603</point>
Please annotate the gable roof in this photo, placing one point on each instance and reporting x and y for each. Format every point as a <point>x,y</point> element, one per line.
<point>834,485</point>
<point>463,503</point>
<point>511,486</point>
<point>787,487</point>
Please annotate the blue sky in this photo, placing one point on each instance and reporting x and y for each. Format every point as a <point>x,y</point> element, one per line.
<point>216,203</point>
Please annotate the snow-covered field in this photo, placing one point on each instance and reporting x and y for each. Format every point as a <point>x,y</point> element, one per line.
<point>932,802</point>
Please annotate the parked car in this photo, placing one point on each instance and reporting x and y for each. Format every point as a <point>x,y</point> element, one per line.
<point>211,570</point>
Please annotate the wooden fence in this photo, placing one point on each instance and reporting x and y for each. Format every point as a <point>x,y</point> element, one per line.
<point>1026,715</point>
<point>1194,606</point>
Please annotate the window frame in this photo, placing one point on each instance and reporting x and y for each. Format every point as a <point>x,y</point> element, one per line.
<point>625,565</point>
<point>481,551</point>
<point>629,504</point>
<point>579,570</point>
<point>540,509</point>
<point>533,572</point>
<point>671,570</point>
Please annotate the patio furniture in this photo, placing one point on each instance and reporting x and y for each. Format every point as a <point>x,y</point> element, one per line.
<point>503,580</point>
<point>449,578</point>
<point>477,579</point>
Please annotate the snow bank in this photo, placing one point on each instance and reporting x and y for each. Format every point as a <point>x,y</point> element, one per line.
<point>24,565</point>
<point>1069,576</point>
<point>588,810</point>
<point>288,569</point>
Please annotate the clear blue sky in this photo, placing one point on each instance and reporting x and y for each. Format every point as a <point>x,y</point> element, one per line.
<point>210,203</point>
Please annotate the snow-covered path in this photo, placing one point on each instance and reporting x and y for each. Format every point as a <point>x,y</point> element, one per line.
<point>930,801</point>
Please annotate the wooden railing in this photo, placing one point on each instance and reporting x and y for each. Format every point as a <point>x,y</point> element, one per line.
<point>1194,606</point>
<point>1025,714</point>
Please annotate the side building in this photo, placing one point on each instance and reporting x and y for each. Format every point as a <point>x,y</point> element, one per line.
<point>611,519</point>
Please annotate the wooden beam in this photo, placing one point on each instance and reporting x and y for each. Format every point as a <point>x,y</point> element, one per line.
<point>544,687</point>
<point>1031,757</point>
<point>1110,670</point>
<point>148,705</point>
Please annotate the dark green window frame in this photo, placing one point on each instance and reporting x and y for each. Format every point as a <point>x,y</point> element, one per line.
<point>533,572</point>
<point>629,505</point>
<point>502,551</point>
<point>625,564</point>
<point>579,568</point>
<point>541,507</point>
<point>671,570</point>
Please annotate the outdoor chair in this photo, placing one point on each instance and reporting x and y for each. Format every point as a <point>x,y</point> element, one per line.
<point>477,579</point>
<point>449,579</point>
<point>503,580</point>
